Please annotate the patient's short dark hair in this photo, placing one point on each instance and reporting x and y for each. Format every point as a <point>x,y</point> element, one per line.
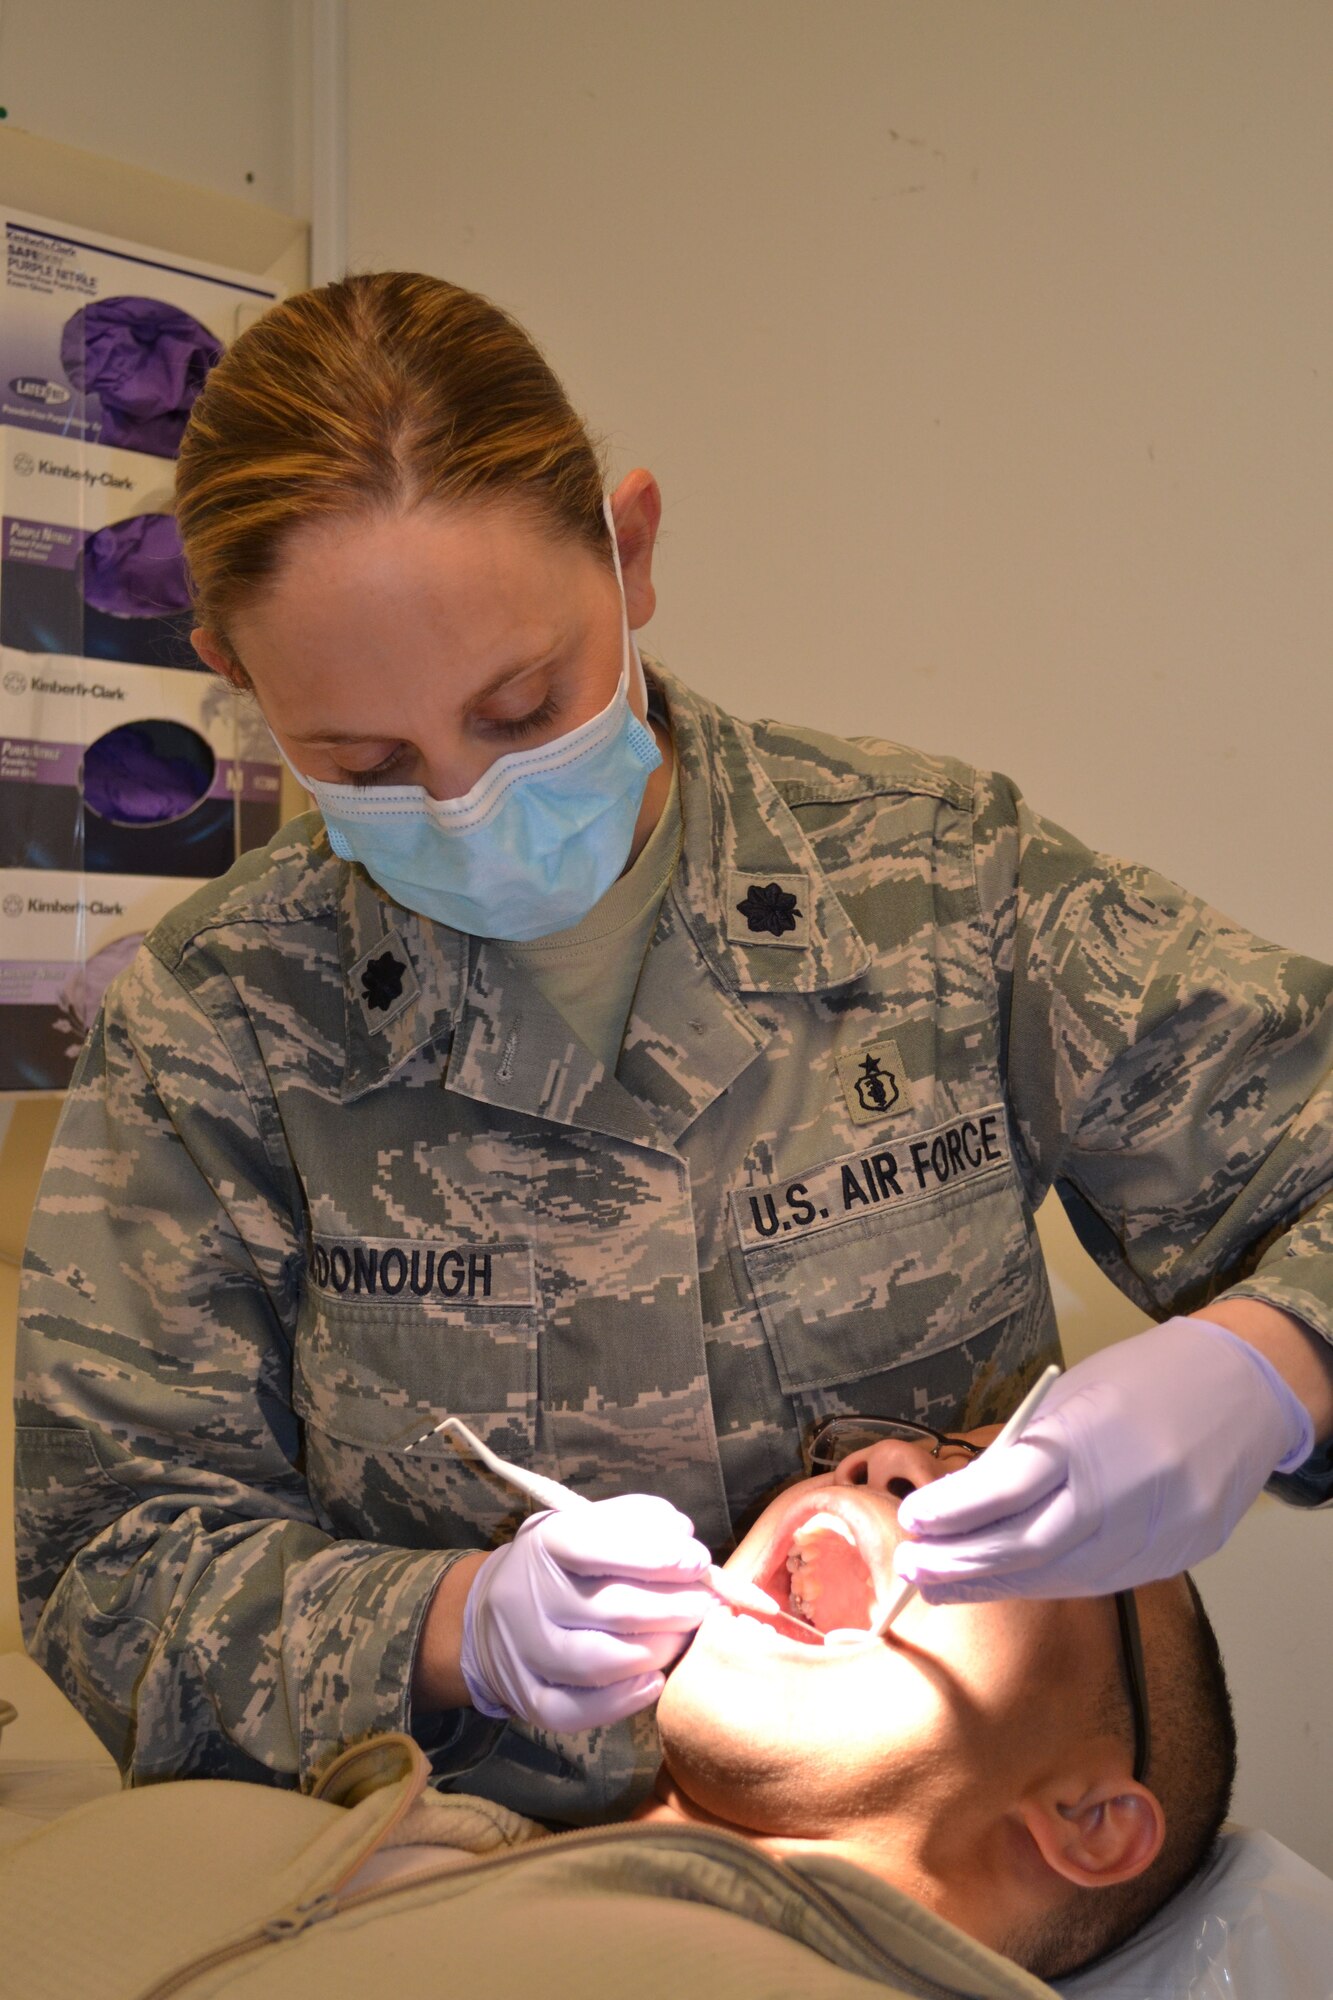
<point>1192,1771</point>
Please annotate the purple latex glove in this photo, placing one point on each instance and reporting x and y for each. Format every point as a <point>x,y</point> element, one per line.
<point>145,361</point>
<point>1139,1463</point>
<point>136,568</point>
<point>571,1625</point>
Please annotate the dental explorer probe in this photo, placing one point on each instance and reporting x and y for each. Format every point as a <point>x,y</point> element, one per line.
<point>550,1493</point>
<point>906,1590</point>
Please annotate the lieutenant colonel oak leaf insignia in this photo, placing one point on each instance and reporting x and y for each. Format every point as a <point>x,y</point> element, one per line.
<point>382,981</point>
<point>770,908</point>
<point>766,908</point>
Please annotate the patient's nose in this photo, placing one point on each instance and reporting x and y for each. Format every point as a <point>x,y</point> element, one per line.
<point>894,1466</point>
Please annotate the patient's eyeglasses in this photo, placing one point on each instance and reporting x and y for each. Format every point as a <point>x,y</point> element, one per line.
<point>1136,1685</point>
<point>837,1438</point>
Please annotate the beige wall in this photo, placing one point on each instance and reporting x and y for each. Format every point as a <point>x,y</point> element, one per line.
<point>981,351</point>
<point>212,95</point>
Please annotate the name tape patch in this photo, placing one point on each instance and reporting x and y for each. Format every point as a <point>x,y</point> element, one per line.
<point>910,1170</point>
<point>438,1271</point>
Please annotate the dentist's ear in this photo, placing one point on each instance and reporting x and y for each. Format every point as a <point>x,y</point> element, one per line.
<point>217,657</point>
<point>1111,1832</point>
<point>636,508</point>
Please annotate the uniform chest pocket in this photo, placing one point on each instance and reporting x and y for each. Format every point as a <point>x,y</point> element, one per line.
<point>394,1336</point>
<point>870,1262</point>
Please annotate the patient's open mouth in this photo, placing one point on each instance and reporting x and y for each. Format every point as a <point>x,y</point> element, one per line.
<point>824,1568</point>
<point>829,1581</point>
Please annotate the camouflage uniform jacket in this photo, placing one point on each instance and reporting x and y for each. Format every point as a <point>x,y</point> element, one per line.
<point>329,1171</point>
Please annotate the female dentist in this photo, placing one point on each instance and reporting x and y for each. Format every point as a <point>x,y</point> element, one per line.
<point>638,1084</point>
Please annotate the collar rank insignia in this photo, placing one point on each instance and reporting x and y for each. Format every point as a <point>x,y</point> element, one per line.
<point>874,1082</point>
<point>768,909</point>
<point>383,981</point>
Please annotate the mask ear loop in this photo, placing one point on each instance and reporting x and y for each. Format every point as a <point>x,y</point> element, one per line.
<point>629,651</point>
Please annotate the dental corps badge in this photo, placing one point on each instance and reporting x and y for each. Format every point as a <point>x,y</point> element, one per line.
<point>873,1082</point>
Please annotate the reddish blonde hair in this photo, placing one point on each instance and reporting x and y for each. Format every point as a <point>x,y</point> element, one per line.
<point>378,392</point>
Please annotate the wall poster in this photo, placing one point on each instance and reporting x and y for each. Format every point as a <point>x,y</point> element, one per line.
<point>128,774</point>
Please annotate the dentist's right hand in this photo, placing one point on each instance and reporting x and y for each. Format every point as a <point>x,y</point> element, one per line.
<point>573,1623</point>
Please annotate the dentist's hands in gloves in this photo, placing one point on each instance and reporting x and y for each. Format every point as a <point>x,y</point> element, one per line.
<point>1139,1463</point>
<point>573,1623</point>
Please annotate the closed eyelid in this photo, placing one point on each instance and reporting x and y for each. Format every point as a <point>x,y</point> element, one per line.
<point>507,729</point>
<point>386,768</point>
<point>506,684</point>
<point>518,725</point>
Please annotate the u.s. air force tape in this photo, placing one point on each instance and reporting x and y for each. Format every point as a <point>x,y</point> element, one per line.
<point>439,1271</point>
<point>895,1176</point>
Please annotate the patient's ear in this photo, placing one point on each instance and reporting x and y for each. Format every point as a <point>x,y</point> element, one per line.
<point>1110,1833</point>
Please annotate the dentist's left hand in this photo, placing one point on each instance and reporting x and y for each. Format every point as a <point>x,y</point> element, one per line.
<point>1138,1465</point>
<point>573,1623</point>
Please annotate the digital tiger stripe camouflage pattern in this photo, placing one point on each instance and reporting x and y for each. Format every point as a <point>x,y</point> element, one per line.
<point>329,1172</point>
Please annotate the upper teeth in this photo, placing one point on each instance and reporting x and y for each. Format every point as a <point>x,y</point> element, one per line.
<point>801,1559</point>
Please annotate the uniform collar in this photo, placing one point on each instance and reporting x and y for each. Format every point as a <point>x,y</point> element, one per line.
<point>749,886</point>
<point>403,981</point>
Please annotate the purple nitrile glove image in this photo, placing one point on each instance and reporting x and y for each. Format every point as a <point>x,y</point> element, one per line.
<point>1140,1463</point>
<point>572,1624</point>
<point>136,568</point>
<point>147,773</point>
<point>145,361</point>
<point>82,994</point>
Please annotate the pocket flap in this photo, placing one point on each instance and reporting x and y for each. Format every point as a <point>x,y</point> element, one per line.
<point>849,1286</point>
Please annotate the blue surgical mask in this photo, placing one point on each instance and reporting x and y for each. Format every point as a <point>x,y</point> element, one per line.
<point>533,846</point>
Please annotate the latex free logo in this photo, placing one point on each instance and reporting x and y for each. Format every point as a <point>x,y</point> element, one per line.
<point>16,683</point>
<point>36,389</point>
<point>24,463</point>
<point>13,906</point>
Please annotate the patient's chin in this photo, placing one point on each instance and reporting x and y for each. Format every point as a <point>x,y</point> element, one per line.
<point>726,1778</point>
<point>746,1763</point>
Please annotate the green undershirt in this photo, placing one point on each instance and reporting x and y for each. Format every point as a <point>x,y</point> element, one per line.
<point>589,973</point>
